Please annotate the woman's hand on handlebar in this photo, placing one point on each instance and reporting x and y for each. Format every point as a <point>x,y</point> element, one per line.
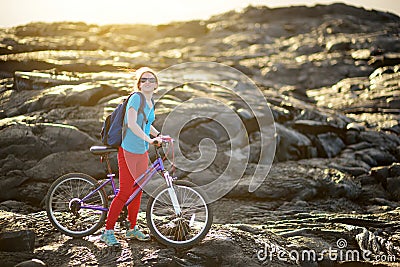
<point>160,139</point>
<point>156,141</point>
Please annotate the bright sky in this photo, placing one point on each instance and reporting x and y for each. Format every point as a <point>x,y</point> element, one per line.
<point>19,12</point>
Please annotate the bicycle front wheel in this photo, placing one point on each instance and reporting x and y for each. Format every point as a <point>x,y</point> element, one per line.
<point>66,210</point>
<point>183,230</point>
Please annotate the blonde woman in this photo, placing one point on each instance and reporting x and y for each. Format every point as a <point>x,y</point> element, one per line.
<point>133,156</point>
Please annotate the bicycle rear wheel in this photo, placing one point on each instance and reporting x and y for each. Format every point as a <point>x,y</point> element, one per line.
<point>67,212</point>
<point>181,231</point>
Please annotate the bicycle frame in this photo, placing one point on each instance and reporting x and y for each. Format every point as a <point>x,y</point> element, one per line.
<point>140,182</point>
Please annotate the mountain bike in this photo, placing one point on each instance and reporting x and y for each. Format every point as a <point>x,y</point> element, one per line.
<point>177,214</point>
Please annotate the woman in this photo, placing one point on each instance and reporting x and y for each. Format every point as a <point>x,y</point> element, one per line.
<point>133,156</point>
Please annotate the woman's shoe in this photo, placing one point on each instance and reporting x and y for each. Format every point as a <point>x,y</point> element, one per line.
<point>136,233</point>
<point>108,237</point>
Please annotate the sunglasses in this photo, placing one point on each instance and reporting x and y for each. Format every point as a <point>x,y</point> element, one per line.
<point>150,80</point>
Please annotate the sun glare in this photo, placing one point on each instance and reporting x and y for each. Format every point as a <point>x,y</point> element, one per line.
<point>142,12</point>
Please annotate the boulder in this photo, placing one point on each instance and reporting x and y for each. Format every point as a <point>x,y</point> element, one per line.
<point>31,263</point>
<point>329,144</point>
<point>57,164</point>
<point>393,188</point>
<point>23,240</point>
<point>12,183</point>
<point>39,140</point>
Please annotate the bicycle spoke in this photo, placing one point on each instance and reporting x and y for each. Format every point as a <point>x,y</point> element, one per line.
<point>65,210</point>
<point>192,224</point>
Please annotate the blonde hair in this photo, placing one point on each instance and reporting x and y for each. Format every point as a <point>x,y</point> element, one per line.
<point>139,73</point>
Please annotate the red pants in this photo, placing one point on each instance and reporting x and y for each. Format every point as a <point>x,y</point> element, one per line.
<point>130,166</point>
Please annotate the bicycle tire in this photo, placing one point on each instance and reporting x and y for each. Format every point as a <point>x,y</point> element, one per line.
<point>63,207</point>
<point>188,229</point>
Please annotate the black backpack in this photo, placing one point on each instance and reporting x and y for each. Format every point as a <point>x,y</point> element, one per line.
<point>112,130</point>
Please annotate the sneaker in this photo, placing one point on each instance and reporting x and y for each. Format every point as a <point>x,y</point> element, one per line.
<point>108,237</point>
<point>136,233</point>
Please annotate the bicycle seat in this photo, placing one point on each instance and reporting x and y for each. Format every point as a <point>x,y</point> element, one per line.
<point>100,150</point>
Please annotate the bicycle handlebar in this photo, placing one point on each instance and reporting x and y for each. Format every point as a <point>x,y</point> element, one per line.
<point>165,139</point>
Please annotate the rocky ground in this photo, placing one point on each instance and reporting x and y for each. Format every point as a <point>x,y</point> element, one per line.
<point>331,78</point>
<point>244,236</point>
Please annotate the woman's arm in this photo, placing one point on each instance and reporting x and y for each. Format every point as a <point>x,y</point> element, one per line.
<point>132,116</point>
<point>154,132</point>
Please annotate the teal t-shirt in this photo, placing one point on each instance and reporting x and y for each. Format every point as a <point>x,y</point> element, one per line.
<point>132,142</point>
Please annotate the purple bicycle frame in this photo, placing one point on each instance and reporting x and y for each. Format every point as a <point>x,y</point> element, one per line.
<point>156,166</point>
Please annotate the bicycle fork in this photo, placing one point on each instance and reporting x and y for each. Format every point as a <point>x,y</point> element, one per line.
<point>172,193</point>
